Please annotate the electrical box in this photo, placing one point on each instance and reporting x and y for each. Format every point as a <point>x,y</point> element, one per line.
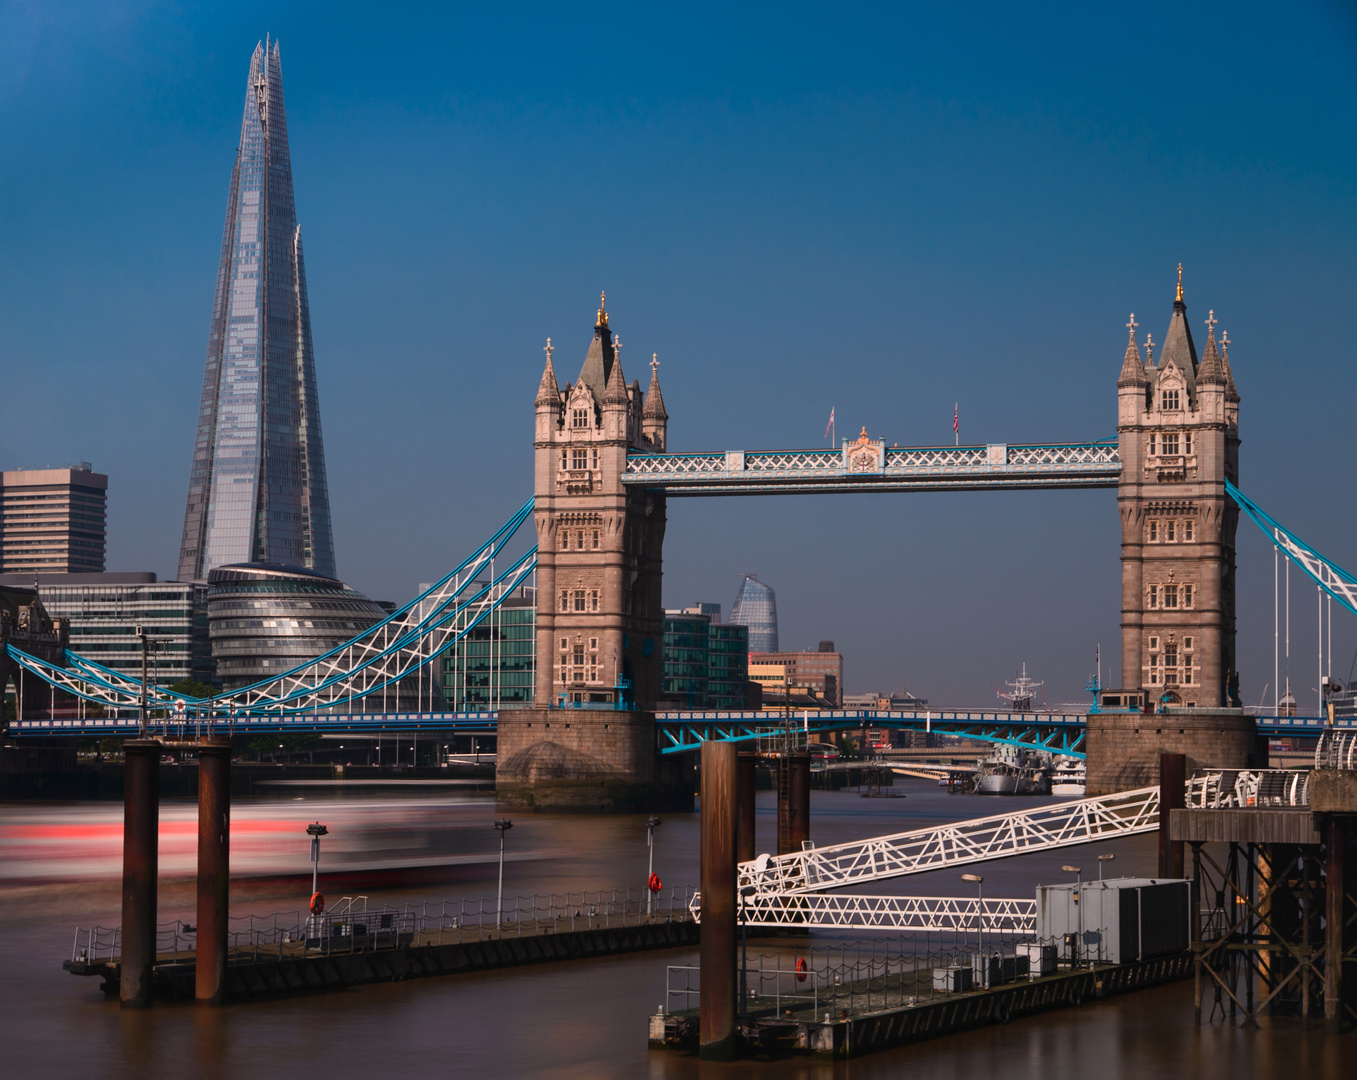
<point>952,980</point>
<point>1116,921</point>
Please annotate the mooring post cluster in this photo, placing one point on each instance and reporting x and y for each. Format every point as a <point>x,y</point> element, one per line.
<point>141,836</point>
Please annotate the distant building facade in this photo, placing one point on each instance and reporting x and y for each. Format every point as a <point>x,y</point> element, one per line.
<point>53,521</point>
<point>104,611</point>
<point>820,671</point>
<point>493,666</point>
<point>756,608</point>
<point>266,619</point>
<point>705,662</point>
<point>257,490</point>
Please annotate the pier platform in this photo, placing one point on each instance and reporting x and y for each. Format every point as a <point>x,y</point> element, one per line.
<point>862,1017</point>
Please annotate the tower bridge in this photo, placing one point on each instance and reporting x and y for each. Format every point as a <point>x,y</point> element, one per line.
<point>603,474</point>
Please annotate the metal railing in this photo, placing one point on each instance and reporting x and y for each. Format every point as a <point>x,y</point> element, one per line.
<point>1245,788</point>
<point>353,927</point>
<point>839,911</point>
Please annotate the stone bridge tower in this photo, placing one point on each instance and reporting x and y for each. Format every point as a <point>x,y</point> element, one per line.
<point>599,612</point>
<point>1178,436</point>
<point>589,742</point>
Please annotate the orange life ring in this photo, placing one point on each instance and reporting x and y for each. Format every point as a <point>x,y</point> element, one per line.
<point>653,883</point>
<point>801,969</point>
<point>317,903</point>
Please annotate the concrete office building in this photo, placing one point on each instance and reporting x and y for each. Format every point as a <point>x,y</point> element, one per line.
<point>53,521</point>
<point>104,611</point>
<point>820,671</point>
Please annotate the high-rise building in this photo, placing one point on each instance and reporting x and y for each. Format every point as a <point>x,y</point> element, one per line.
<point>257,489</point>
<point>756,608</point>
<point>52,521</point>
<point>819,670</point>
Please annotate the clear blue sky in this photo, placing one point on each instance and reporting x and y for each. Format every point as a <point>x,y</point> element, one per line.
<point>882,210</point>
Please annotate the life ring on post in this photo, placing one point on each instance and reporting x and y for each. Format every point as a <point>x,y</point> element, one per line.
<point>801,969</point>
<point>653,883</point>
<point>317,903</point>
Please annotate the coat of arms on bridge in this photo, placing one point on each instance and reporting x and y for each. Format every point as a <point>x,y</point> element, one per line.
<point>864,455</point>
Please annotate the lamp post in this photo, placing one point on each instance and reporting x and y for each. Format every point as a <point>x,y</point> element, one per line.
<point>978,882</point>
<point>1102,859</point>
<point>502,826</point>
<point>316,830</point>
<point>652,823</point>
<point>1079,941</point>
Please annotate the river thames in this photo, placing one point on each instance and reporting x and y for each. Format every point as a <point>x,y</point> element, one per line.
<point>59,868</point>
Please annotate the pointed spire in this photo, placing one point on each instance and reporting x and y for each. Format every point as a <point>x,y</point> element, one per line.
<point>1231,392</point>
<point>616,393</point>
<point>654,406</point>
<point>1132,370</point>
<point>598,361</point>
<point>549,392</point>
<point>1211,371</point>
<point>1178,347</point>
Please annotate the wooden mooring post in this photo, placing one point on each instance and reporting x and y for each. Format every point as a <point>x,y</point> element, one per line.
<point>214,869</point>
<point>717,993</point>
<point>141,837</point>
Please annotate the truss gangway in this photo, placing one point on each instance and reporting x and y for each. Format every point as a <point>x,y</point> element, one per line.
<point>379,657</point>
<point>957,843</point>
<point>850,911</point>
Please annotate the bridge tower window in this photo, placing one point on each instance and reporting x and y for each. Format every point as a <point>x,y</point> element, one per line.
<point>1170,442</point>
<point>1153,438</point>
<point>595,539</point>
<point>565,606</point>
<point>1169,401</point>
<point>1154,603</point>
<point>593,599</point>
<point>1187,531</point>
<point>579,418</point>
<point>1154,531</point>
<point>1170,596</point>
<point>579,459</point>
<point>1187,596</point>
<point>1169,530</point>
<point>579,599</point>
<point>1187,442</point>
<point>579,540</point>
<point>565,539</point>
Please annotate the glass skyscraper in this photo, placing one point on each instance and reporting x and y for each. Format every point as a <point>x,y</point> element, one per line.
<point>257,489</point>
<point>756,608</point>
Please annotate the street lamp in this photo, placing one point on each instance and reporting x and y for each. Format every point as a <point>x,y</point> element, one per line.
<point>978,882</point>
<point>316,830</point>
<point>1102,859</point>
<point>652,823</point>
<point>1078,888</point>
<point>502,826</point>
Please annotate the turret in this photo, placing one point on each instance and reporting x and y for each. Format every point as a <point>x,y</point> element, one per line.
<point>548,400</point>
<point>654,419</point>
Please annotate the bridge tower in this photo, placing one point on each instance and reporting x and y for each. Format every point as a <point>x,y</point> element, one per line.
<point>1178,436</point>
<point>589,742</point>
<point>599,543</point>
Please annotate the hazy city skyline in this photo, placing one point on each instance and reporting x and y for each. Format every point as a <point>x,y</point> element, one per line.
<point>844,211</point>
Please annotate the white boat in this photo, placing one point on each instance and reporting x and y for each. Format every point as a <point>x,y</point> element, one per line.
<point>1069,777</point>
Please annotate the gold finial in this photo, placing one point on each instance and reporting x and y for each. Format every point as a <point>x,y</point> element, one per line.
<point>1179,297</point>
<point>602,309</point>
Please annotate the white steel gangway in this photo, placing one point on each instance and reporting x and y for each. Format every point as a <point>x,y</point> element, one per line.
<point>790,889</point>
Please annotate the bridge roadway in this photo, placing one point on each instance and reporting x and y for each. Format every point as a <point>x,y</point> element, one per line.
<point>678,732</point>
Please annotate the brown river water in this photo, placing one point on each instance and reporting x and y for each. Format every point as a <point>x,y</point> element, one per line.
<point>59,868</point>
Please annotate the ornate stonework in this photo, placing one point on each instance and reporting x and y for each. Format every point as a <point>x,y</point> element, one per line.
<point>1178,434</point>
<point>599,613</point>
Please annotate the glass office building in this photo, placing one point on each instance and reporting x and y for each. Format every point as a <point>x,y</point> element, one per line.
<point>756,608</point>
<point>706,663</point>
<point>267,619</point>
<point>493,667</point>
<point>105,610</point>
<point>257,491</point>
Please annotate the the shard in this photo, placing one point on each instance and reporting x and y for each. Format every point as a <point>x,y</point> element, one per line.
<point>257,489</point>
